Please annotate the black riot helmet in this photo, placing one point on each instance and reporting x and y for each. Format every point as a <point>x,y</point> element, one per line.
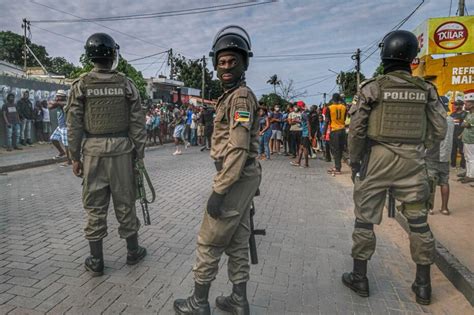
<point>101,46</point>
<point>399,45</point>
<point>232,37</point>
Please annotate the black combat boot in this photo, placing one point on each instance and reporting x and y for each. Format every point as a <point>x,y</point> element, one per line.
<point>95,262</point>
<point>135,253</point>
<point>357,279</point>
<point>196,304</point>
<point>422,285</point>
<point>236,303</point>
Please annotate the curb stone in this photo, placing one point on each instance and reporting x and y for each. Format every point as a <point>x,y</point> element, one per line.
<point>458,274</point>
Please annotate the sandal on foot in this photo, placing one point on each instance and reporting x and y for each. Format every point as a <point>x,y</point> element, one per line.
<point>445,211</point>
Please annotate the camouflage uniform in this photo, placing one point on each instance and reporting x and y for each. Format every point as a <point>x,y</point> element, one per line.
<point>107,156</point>
<point>234,148</point>
<point>393,164</point>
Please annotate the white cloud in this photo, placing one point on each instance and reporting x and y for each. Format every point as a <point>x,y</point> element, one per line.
<point>283,27</point>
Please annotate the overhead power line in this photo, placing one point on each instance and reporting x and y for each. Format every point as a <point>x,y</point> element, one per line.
<point>181,12</point>
<point>396,27</point>
<point>148,56</point>
<point>102,25</point>
<point>303,55</point>
<point>75,39</point>
<point>329,76</point>
<point>297,59</point>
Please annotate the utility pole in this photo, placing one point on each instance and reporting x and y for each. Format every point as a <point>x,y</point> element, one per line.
<point>356,57</point>
<point>461,6</point>
<point>203,86</point>
<point>170,63</point>
<point>324,97</point>
<point>26,27</point>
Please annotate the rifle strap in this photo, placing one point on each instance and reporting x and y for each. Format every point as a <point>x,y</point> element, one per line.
<point>144,174</point>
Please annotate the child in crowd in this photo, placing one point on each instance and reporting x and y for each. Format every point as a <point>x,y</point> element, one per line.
<point>46,120</point>
<point>265,134</point>
<point>156,126</point>
<point>149,125</point>
<point>38,112</point>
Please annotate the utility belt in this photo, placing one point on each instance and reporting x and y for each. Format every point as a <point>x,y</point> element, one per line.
<point>120,134</point>
<point>219,163</point>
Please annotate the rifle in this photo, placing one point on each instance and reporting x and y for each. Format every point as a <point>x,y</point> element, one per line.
<point>433,182</point>
<point>140,176</point>
<point>391,204</point>
<point>253,232</point>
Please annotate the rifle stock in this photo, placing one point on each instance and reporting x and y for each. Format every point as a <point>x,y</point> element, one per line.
<point>140,176</point>
<point>391,204</point>
<point>253,232</point>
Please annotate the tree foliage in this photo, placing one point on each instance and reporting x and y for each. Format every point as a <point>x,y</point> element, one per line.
<point>60,65</point>
<point>123,66</point>
<point>378,71</point>
<point>347,82</point>
<point>190,72</point>
<point>274,81</point>
<point>289,92</point>
<point>11,50</point>
<point>272,99</point>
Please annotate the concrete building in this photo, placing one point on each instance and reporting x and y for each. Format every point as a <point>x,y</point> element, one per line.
<point>161,89</point>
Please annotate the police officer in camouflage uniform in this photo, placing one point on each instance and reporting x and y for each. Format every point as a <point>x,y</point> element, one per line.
<point>395,117</point>
<point>106,122</point>
<point>226,223</point>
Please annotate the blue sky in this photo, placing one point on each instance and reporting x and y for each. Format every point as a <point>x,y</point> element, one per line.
<point>281,27</point>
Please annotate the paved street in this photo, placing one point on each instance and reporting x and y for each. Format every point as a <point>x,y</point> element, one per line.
<point>307,215</point>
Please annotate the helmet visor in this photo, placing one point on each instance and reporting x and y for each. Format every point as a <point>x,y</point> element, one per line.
<point>116,57</point>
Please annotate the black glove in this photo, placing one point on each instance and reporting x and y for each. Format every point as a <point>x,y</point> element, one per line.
<point>355,166</point>
<point>214,205</point>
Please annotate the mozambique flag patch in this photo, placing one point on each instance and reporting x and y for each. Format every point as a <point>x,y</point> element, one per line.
<point>241,116</point>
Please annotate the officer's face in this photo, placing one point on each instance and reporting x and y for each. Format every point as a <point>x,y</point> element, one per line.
<point>227,61</point>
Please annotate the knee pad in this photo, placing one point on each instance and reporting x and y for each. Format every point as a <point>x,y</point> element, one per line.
<point>362,225</point>
<point>418,224</point>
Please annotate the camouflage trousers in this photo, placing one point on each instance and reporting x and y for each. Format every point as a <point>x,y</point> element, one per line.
<point>409,183</point>
<point>230,233</point>
<point>105,178</point>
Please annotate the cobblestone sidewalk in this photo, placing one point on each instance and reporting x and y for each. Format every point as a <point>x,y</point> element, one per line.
<point>307,214</point>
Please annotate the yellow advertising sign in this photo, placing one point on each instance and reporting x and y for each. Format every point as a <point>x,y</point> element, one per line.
<point>451,75</point>
<point>448,35</point>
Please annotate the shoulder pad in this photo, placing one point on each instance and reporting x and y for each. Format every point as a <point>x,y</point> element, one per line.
<point>242,91</point>
<point>365,82</point>
<point>129,80</point>
<point>79,78</point>
<point>430,84</point>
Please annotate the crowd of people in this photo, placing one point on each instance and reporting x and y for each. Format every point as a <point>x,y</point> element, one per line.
<point>301,132</point>
<point>298,131</point>
<point>186,125</point>
<point>458,146</point>
<point>23,120</point>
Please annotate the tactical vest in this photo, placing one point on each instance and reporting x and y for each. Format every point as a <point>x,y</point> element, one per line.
<point>106,109</point>
<point>399,114</point>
